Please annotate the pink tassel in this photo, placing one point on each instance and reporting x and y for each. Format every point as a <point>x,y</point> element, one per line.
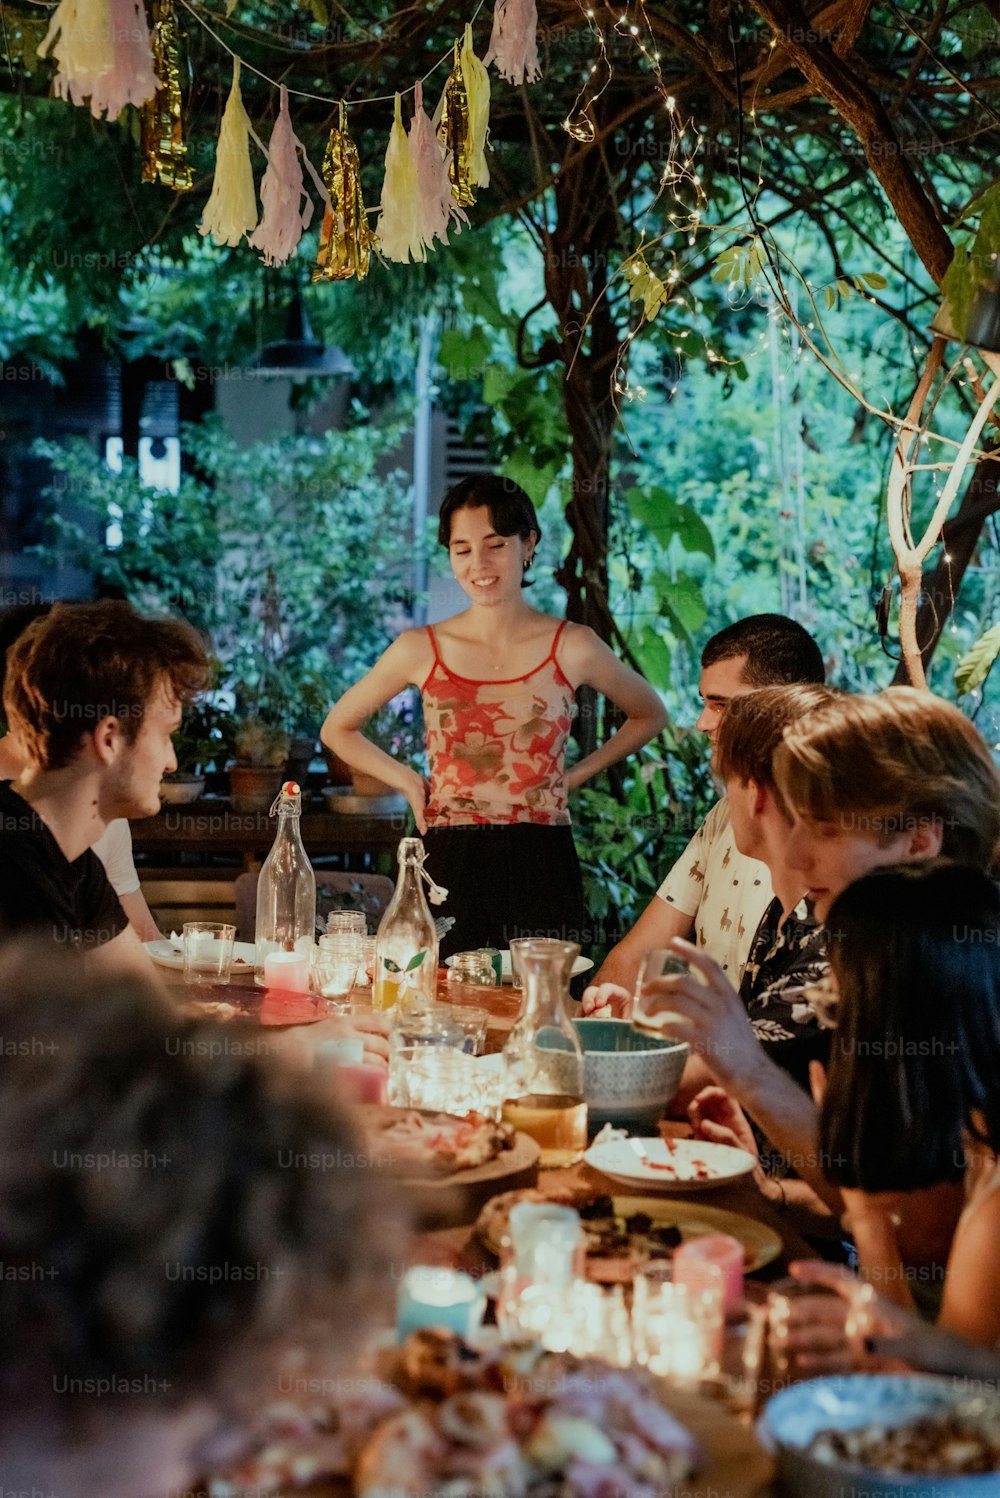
<point>513,43</point>
<point>129,80</point>
<point>288,208</point>
<point>437,204</point>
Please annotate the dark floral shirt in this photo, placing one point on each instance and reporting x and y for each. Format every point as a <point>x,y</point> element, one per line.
<point>783,961</point>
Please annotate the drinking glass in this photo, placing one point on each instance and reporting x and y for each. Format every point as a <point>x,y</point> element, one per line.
<point>418,1078</point>
<point>474,1024</point>
<point>338,958</point>
<point>208,951</point>
<point>651,1013</point>
<point>742,1363</point>
<point>786,1309</point>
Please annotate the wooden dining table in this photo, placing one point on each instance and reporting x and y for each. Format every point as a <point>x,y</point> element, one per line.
<point>296,1024</point>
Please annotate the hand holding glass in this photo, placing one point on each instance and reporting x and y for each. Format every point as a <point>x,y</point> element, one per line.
<point>651,1012</point>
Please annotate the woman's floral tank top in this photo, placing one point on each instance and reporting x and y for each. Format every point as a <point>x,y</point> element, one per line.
<point>496,749</point>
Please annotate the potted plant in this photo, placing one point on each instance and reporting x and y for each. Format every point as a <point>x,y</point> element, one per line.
<point>202,743</point>
<point>256,777</point>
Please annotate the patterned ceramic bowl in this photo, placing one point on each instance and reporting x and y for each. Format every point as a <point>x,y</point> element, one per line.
<point>629,1078</point>
<point>796,1415</point>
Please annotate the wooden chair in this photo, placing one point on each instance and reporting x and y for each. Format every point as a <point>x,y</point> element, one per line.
<point>174,901</point>
<point>335,890</point>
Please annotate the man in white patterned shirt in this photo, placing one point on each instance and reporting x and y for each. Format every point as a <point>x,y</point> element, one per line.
<point>714,890</point>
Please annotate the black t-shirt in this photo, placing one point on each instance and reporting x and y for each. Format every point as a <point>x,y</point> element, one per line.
<point>42,893</point>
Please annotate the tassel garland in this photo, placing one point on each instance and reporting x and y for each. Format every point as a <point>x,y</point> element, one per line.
<point>231,210</point>
<point>288,208</point>
<point>513,46</point>
<point>164,149</point>
<point>346,237</point>
<point>465,118</point>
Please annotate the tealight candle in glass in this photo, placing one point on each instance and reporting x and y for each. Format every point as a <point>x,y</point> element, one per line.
<point>441,1298</point>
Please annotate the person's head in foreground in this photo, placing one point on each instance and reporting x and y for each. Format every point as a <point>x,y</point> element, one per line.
<point>489,529</point>
<point>748,735</point>
<point>893,778</point>
<point>763,650</point>
<point>96,690</point>
<point>179,1228</point>
<point>915,988</point>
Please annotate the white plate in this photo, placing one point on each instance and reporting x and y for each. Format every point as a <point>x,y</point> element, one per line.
<point>581,965</point>
<point>170,954</point>
<point>670,1164</point>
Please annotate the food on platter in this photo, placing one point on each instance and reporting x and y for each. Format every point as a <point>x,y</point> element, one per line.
<point>622,1233</point>
<point>452,1422</point>
<point>217,1009</point>
<point>948,1445</point>
<point>435,1144</point>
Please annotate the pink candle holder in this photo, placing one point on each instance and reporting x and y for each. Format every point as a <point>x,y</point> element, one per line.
<point>713,1258</point>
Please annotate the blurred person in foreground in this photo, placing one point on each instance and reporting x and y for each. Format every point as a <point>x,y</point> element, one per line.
<point>179,1231</point>
<point>911,1096</point>
<point>114,846</point>
<point>715,891</point>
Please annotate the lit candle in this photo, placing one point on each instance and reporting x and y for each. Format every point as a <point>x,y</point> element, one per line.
<point>701,1262</point>
<point>434,1297</point>
<point>288,971</point>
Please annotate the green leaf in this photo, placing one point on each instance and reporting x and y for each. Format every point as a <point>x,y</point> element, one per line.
<point>653,654</point>
<point>829,297</point>
<point>844,288</point>
<point>390,966</point>
<point>974,667</point>
<point>465,355</point>
<point>415,961</point>
<point>872,279</point>
<point>498,383</point>
<point>693,533</point>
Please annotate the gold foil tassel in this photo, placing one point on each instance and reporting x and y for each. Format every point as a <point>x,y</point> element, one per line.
<point>464,124</point>
<point>164,149</point>
<point>346,238</point>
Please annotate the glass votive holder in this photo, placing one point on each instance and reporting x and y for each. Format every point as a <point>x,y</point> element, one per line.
<point>353,922</point>
<point>677,1330</point>
<point>445,1299</point>
<point>708,1259</point>
<point>427,1076</point>
<point>366,965</point>
<point>544,1243</point>
<point>208,951</point>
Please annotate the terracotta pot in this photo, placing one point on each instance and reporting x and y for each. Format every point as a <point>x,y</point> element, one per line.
<point>180,790</point>
<point>338,772</point>
<point>253,788</point>
<point>370,785</point>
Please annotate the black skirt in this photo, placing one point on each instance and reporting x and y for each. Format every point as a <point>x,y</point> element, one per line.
<point>506,881</point>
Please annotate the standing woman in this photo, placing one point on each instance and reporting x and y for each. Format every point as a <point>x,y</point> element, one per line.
<point>498,683</point>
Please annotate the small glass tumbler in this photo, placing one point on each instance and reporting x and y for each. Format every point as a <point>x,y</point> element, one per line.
<point>474,1024</point>
<point>208,951</point>
<point>790,1305</point>
<point>338,958</point>
<point>651,1013</point>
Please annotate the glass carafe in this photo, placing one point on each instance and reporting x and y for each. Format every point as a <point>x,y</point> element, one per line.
<point>286,888</point>
<point>543,1058</point>
<point>406,947</point>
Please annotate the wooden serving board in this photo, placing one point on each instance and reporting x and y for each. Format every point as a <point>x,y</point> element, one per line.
<point>456,1198</point>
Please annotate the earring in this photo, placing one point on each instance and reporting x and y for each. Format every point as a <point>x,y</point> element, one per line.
<point>527,563</point>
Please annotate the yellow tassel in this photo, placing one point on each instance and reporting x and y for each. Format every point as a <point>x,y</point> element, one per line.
<point>400,235</point>
<point>82,37</point>
<point>231,210</point>
<point>477,90</point>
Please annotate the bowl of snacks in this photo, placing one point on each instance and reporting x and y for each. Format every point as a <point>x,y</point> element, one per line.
<point>900,1435</point>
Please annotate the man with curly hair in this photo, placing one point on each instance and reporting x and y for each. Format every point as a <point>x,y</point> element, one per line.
<point>92,695</point>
